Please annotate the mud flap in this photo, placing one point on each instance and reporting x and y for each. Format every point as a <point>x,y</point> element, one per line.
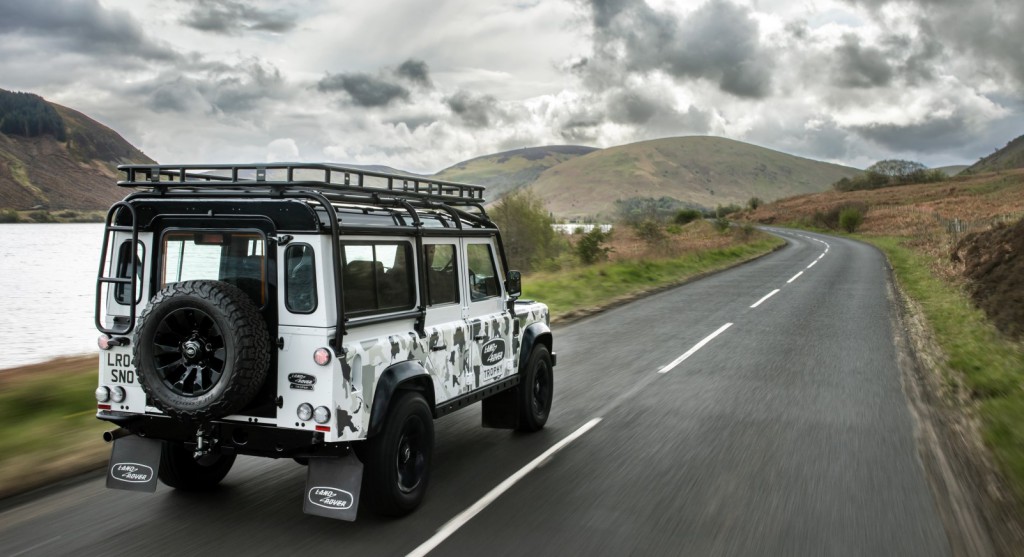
<point>134,464</point>
<point>332,487</point>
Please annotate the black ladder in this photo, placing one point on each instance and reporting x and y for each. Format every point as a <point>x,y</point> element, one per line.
<point>107,271</point>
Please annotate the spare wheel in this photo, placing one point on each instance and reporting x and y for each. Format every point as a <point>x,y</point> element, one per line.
<point>201,350</point>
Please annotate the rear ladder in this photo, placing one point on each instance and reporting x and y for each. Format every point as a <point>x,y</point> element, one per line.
<point>108,271</point>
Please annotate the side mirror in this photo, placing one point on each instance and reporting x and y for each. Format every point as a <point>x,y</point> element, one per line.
<point>514,284</point>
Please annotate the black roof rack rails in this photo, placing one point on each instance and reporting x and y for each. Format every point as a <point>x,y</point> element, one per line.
<point>276,177</point>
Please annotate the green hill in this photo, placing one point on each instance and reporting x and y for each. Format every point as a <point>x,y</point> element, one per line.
<point>1010,156</point>
<point>57,158</point>
<point>704,171</point>
<point>510,170</point>
<point>952,170</point>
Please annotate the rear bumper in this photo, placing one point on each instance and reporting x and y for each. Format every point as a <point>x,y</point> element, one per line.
<point>230,437</point>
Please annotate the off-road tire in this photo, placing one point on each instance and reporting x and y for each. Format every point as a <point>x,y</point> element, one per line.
<point>211,332</point>
<point>180,470</point>
<point>536,390</point>
<point>394,482</point>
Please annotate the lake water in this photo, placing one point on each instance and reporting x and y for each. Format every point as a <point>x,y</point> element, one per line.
<point>47,291</point>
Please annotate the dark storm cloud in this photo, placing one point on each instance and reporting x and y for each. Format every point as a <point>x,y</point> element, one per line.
<point>415,71</point>
<point>719,41</point>
<point>655,115</point>
<point>932,135</point>
<point>232,16</point>
<point>82,26</point>
<point>861,66</point>
<point>987,31</point>
<point>364,89</point>
<point>227,90</point>
<point>474,111</point>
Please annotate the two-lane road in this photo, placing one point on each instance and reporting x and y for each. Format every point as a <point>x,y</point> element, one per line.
<point>755,412</point>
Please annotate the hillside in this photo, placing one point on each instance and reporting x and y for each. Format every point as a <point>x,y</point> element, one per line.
<point>77,172</point>
<point>510,170</point>
<point>705,171</point>
<point>1010,156</point>
<point>952,170</point>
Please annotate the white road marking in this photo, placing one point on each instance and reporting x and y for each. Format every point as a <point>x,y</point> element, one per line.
<point>36,546</point>
<point>820,256</point>
<point>813,263</point>
<point>695,348</point>
<point>796,276</point>
<point>770,294</point>
<point>465,516</point>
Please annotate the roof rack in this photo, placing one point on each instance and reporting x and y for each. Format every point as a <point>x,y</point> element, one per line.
<point>279,177</point>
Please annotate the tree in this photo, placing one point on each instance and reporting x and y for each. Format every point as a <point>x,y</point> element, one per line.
<point>754,203</point>
<point>591,248</point>
<point>525,230</point>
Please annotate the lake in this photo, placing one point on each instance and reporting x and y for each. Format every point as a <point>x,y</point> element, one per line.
<point>47,290</point>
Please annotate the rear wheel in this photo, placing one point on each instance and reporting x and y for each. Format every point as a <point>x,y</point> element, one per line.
<point>536,391</point>
<point>398,458</point>
<point>179,468</point>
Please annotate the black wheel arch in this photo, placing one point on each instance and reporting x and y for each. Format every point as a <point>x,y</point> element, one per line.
<point>403,376</point>
<point>532,335</point>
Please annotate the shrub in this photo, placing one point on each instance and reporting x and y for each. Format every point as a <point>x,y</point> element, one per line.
<point>721,224</point>
<point>41,216</point>
<point>686,216</point>
<point>9,215</point>
<point>754,202</point>
<point>649,231</point>
<point>850,218</point>
<point>591,248</point>
<point>526,230</point>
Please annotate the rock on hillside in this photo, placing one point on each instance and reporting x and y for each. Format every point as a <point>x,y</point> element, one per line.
<point>78,172</point>
<point>510,170</point>
<point>1010,156</point>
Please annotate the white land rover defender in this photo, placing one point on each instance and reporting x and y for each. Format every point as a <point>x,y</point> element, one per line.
<point>307,311</point>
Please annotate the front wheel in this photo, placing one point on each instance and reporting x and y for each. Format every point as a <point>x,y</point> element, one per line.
<point>536,391</point>
<point>180,470</point>
<point>398,458</point>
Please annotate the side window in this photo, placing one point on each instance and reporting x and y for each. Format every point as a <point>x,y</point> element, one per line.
<point>300,279</point>
<point>378,277</point>
<point>483,276</point>
<point>442,273</point>
<point>124,269</point>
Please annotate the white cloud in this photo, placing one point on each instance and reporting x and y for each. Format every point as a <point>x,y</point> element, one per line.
<point>849,82</point>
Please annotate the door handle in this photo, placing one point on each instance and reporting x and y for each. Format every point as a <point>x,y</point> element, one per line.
<point>438,347</point>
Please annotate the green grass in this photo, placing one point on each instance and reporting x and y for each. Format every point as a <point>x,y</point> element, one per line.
<point>33,410</point>
<point>601,284</point>
<point>991,366</point>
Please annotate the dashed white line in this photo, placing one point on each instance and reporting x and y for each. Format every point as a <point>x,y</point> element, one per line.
<point>465,516</point>
<point>820,256</point>
<point>813,263</point>
<point>695,348</point>
<point>769,295</point>
<point>796,276</point>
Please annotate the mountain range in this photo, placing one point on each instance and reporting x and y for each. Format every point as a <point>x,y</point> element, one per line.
<point>54,157</point>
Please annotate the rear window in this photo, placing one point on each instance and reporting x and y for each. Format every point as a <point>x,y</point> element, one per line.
<point>237,258</point>
<point>300,279</point>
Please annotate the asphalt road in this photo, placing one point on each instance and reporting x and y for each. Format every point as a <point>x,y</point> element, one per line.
<point>787,433</point>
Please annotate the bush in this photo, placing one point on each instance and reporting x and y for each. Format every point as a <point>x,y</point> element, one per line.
<point>526,230</point>
<point>649,231</point>
<point>830,219</point>
<point>723,210</point>
<point>9,215</point>
<point>754,203</point>
<point>41,216</point>
<point>686,216</point>
<point>850,219</point>
<point>591,248</point>
<point>721,224</point>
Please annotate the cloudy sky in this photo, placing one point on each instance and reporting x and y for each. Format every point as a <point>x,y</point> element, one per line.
<point>421,85</point>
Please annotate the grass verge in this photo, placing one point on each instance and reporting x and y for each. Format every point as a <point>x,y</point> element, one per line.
<point>991,367</point>
<point>48,425</point>
<point>589,288</point>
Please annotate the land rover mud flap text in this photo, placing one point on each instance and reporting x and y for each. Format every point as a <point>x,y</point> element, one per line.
<point>332,487</point>
<point>134,464</point>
